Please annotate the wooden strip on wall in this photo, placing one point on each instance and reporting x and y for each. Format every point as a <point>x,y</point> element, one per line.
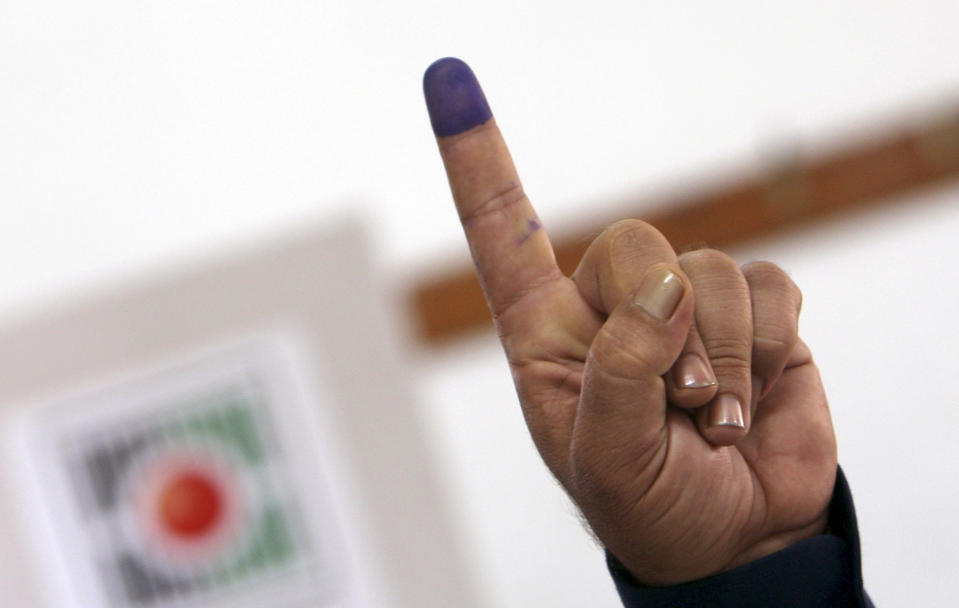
<point>792,194</point>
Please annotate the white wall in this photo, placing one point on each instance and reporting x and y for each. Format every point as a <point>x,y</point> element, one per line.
<point>134,134</point>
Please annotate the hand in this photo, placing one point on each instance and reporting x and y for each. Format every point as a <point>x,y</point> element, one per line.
<point>678,480</point>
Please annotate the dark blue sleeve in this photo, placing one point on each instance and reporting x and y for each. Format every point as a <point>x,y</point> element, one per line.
<point>821,572</point>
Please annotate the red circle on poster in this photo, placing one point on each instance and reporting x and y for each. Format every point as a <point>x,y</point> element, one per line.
<point>190,505</point>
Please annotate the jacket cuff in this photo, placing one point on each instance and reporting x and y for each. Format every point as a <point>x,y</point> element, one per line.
<point>823,571</point>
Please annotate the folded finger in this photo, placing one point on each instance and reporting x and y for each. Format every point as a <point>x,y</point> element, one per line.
<point>724,323</point>
<point>776,301</point>
<point>613,264</point>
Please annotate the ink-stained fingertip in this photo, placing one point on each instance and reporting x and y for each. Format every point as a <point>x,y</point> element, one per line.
<point>454,98</point>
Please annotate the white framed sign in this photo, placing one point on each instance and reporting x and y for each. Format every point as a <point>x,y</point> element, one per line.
<point>238,433</point>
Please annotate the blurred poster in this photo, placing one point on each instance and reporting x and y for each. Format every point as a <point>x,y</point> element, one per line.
<point>177,490</point>
<point>236,433</point>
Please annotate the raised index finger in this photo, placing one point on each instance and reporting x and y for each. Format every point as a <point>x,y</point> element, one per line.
<point>511,250</point>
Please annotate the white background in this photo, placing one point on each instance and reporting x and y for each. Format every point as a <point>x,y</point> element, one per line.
<point>143,134</point>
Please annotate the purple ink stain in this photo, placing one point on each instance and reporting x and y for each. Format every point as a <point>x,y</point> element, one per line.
<point>454,98</point>
<point>532,226</point>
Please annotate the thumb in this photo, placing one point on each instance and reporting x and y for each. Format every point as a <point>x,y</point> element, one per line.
<point>622,410</point>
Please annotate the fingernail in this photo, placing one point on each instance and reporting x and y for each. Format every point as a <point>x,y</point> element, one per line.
<point>727,411</point>
<point>454,98</point>
<point>659,293</point>
<point>692,372</point>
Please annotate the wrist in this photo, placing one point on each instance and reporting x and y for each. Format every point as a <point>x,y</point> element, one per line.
<point>779,542</point>
<point>824,570</point>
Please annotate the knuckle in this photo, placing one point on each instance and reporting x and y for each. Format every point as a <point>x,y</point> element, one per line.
<point>730,354</point>
<point>771,353</point>
<point>769,278</point>
<point>626,228</point>
<point>708,261</point>
<point>774,347</point>
<point>763,268</point>
<point>499,201</point>
<point>778,334</point>
<point>617,259</point>
<point>628,239</point>
<point>731,365</point>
